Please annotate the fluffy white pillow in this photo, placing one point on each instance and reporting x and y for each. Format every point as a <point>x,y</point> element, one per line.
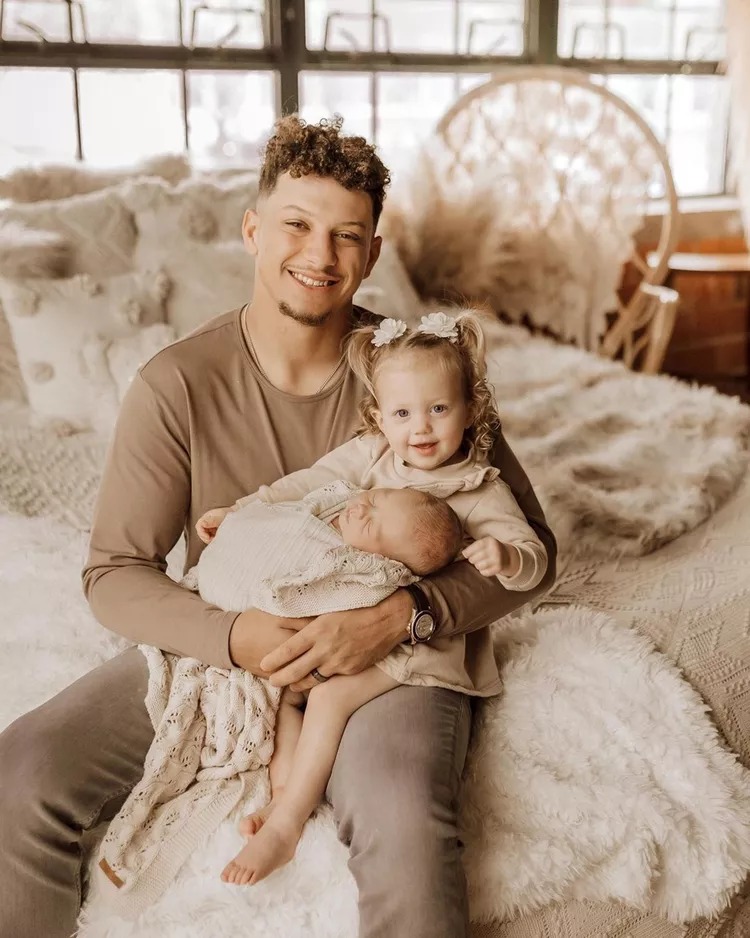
<point>193,231</point>
<point>52,323</point>
<point>98,230</point>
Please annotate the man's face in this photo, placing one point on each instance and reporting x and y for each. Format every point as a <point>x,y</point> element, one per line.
<point>314,243</point>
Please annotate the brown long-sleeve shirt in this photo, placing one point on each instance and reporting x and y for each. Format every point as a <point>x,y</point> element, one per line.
<point>201,426</point>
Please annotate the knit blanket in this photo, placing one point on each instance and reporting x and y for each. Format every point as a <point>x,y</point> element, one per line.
<point>213,726</point>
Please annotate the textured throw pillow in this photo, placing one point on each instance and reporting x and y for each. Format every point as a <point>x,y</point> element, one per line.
<point>52,321</point>
<point>193,231</point>
<point>97,228</point>
<point>111,364</point>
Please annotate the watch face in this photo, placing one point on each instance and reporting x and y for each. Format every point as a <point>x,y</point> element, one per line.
<point>424,626</point>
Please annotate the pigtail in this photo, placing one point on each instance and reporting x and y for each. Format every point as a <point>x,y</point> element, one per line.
<point>471,345</point>
<point>471,340</point>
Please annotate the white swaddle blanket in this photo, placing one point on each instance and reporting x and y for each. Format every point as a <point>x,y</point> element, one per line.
<point>214,726</point>
<point>287,559</point>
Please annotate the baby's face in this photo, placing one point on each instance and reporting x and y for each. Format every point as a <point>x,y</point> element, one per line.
<point>380,521</point>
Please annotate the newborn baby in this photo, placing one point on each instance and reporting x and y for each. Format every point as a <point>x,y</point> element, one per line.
<point>337,548</point>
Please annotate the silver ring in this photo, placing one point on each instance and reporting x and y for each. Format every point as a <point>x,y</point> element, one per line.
<point>320,678</point>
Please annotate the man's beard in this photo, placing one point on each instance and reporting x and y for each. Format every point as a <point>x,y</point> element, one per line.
<point>307,319</point>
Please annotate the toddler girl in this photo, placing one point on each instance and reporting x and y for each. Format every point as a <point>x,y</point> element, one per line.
<point>429,423</point>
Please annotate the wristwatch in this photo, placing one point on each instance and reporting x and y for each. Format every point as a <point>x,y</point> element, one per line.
<point>422,625</point>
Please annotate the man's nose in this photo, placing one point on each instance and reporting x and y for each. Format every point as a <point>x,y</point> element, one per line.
<point>319,252</point>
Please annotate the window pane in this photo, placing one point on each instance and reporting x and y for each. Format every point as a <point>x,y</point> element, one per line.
<point>690,116</point>
<point>396,111</point>
<point>409,107</point>
<point>325,94</point>
<point>96,20</point>
<point>480,27</point>
<point>230,115</point>
<point>641,29</point>
<point>47,94</point>
<point>699,116</point>
<point>128,115</point>
<point>232,23</point>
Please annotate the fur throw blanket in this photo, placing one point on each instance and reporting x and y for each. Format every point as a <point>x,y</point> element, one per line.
<point>621,462</point>
<point>646,795</point>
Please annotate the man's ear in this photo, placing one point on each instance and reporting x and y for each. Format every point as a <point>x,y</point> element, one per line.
<point>375,246</point>
<point>250,224</point>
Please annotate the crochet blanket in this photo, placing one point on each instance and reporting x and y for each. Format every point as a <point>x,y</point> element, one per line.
<point>213,726</point>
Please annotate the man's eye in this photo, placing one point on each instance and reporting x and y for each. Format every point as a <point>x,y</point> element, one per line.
<point>348,236</point>
<point>295,224</point>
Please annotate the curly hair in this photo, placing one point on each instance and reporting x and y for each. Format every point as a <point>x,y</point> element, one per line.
<point>303,149</point>
<point>466,356</point>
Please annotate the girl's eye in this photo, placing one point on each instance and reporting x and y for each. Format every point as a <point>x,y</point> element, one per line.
<point>402,413</point>
<point>440,408</point>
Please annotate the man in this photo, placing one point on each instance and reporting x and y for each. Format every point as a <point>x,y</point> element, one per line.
<point>252,395</point>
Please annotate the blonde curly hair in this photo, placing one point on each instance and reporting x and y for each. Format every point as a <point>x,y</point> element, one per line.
<point>465,355</point>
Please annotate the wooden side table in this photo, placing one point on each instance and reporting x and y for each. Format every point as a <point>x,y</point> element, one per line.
<point>715,264</point>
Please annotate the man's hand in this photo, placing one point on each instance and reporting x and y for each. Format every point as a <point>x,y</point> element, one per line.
<point>493,558</point>
<point>254,634</point>
<point>340,643</point>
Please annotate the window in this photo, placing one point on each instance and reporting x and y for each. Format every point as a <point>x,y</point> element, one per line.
<point>123,79</point>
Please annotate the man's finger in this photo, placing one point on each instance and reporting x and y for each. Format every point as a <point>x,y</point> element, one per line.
<point>292,648</point>
<point>297,671</point>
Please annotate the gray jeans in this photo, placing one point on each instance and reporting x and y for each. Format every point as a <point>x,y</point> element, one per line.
<point>70,764</point>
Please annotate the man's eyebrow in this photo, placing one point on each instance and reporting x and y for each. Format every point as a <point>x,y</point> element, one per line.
<point>304,211</point>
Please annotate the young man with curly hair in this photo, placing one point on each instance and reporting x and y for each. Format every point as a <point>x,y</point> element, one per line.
<point>252,395</point>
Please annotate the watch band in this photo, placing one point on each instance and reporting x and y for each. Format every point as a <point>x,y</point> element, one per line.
<point>422,625</point>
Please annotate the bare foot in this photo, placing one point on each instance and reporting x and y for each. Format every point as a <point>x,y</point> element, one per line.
<point>271,847</point>
<point>252,823</point>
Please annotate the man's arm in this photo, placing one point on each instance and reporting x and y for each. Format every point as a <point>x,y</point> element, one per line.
<point>461,597</point>
<point>140,512</point>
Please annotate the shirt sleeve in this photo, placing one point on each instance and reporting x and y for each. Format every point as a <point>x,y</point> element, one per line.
<point>348,462</point>
<point>463,600</point>
<point>498,515</point>
<point>140,513</point>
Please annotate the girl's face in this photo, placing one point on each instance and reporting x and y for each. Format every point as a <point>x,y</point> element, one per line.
<point>422,408</point>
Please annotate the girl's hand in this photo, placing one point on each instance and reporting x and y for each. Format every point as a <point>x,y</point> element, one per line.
<point>208,524</point>
<point>493,558</point>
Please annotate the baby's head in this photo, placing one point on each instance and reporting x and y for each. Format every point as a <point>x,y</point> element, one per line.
<point>427,389</point>
<point>416,528</point>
